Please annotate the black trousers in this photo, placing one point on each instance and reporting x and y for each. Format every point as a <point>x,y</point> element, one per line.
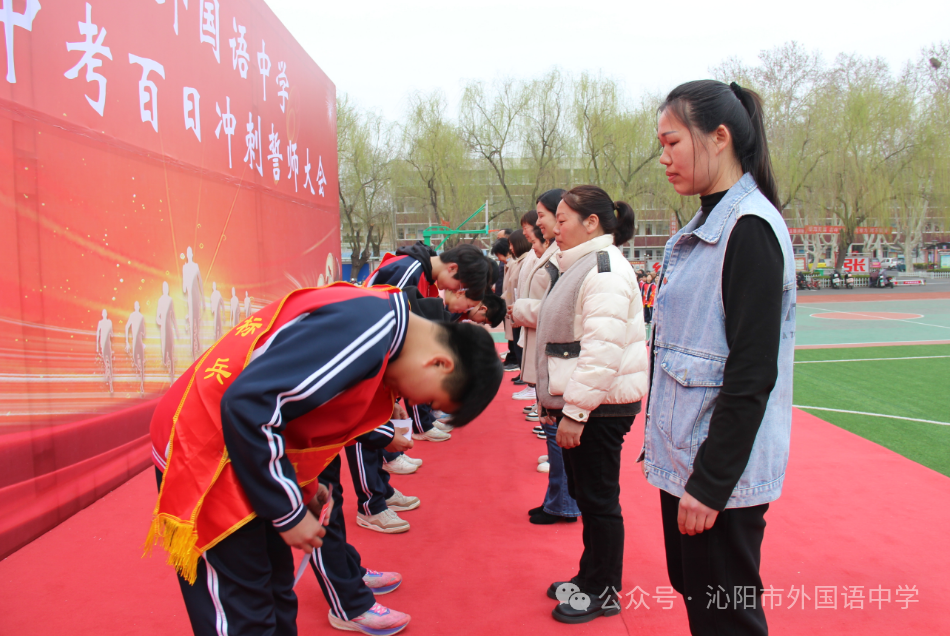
<point>421,415</point>
<point>337,564</point>
<point>717,571</point>
<point>593,480</point>
<point>514,350</point>
<point>245,585</point>
<point>370,481</point>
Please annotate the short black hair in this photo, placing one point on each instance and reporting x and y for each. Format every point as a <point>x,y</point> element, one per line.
<point>495,309</point>
<point>538,234</point>
<point>501,246</point>
<point>472,268</point>
<point>519,243</point>
<point>477,375</point>
<point>492,272</point>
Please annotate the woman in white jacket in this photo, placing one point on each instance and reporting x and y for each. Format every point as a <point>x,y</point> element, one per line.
<point>558,504</point>
<point>519,249</point>
<point>592,374</point>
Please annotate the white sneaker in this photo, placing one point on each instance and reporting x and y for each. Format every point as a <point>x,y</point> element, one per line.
<point>544,467</point>
<point>526,393</point>
<point>387,522</point>
<point>412,460</point>
<point>432,435</point>
<point>442,426</point>
<point>542,459</point>
<point>401,503</point>
<point>400,466</point>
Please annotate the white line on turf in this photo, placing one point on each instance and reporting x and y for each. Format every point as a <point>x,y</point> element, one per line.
<point>866,359</point>
<point>889,417</point>
<point>854,313</point>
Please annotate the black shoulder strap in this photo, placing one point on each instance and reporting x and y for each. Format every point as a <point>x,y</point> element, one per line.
<point>603,262</point>
<point>552,271</point>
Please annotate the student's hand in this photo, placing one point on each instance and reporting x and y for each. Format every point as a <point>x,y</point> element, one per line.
<point>399,413</point>
<point>694,517</point>
<point>546,420</point>
<point>319,500</point>
<point>400,444</point>
<point>306,535</point>
<point>569,433</point>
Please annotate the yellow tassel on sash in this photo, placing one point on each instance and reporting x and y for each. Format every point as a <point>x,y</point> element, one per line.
<point>178,539</point>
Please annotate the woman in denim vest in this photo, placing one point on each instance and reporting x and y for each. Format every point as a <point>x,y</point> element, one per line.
<point>719,412</point>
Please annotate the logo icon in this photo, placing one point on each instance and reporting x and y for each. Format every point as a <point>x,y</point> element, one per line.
<point>570,594</point>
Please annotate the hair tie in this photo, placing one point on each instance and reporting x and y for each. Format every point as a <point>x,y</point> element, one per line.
<point>737,90</point>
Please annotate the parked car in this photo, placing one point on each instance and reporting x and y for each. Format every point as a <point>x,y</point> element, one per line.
<point>896,264</point>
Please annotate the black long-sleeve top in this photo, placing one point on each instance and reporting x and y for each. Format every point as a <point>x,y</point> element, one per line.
<point>752,298</point>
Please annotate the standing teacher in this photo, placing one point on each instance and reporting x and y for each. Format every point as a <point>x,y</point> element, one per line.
<point>592,373</point>
<point>720,407</point>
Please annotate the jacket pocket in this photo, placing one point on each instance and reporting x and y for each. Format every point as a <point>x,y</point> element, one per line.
<point>562,360</point>
<point>696,387</point>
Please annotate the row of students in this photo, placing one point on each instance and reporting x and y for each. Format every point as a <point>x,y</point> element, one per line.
<point>246,443</point>
<point>349,589</point>
<point>718,366</point>
<point>241,439</point>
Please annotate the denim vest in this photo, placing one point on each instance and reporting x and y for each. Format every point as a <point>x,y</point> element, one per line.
<point>690,350</point>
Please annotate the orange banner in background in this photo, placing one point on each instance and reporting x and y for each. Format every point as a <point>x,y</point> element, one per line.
<point>165,170</point>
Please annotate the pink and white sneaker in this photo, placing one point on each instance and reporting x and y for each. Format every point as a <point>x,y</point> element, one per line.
<point>376,621</point>
<point>382,582</point>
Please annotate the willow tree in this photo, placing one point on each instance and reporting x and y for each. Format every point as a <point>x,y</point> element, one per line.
<point>544,139</point>
<point>595,109</point>
<point>366,150</point>
<point>923,187</point>
<point>490,119</point>
<point>437,167</point>
<point>869,143</point>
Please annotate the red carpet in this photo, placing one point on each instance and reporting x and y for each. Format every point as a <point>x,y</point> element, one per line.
<point>853,514</point>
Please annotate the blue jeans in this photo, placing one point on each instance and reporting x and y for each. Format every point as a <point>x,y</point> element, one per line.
<point>557,501</point>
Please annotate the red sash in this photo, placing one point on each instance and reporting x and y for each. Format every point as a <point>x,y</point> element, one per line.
<point>201,501</point>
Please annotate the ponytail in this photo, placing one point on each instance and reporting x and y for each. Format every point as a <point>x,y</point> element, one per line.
<point>625,222</point>
<point>756,158</point>
<point>704,105</point>
<point>588,200</point>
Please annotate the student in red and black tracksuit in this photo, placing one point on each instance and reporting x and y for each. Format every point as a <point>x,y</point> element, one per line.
<point>367,463</point>
<point>349,588</point>
<point>317,356</point>
<point>461,269</point>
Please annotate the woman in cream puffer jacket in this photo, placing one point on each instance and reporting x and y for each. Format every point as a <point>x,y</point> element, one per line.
<point>520,248</point>
<point>607,320</point>
<point>592,374</point>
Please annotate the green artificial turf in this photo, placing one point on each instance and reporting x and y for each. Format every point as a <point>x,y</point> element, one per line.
<point>907,388</point>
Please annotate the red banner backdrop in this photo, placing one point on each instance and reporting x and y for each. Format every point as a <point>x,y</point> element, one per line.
<point>166,168</point>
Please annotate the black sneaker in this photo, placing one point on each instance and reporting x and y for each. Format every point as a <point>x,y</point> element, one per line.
<point>512,367</point>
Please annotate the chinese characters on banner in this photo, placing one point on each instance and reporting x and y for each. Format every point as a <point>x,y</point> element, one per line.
<point>100,46</point>
<point>134,221</point>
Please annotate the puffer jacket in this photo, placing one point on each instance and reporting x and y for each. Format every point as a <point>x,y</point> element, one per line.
<point>512,271</point>
<point>525,310</point>
<point>612,367</point>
